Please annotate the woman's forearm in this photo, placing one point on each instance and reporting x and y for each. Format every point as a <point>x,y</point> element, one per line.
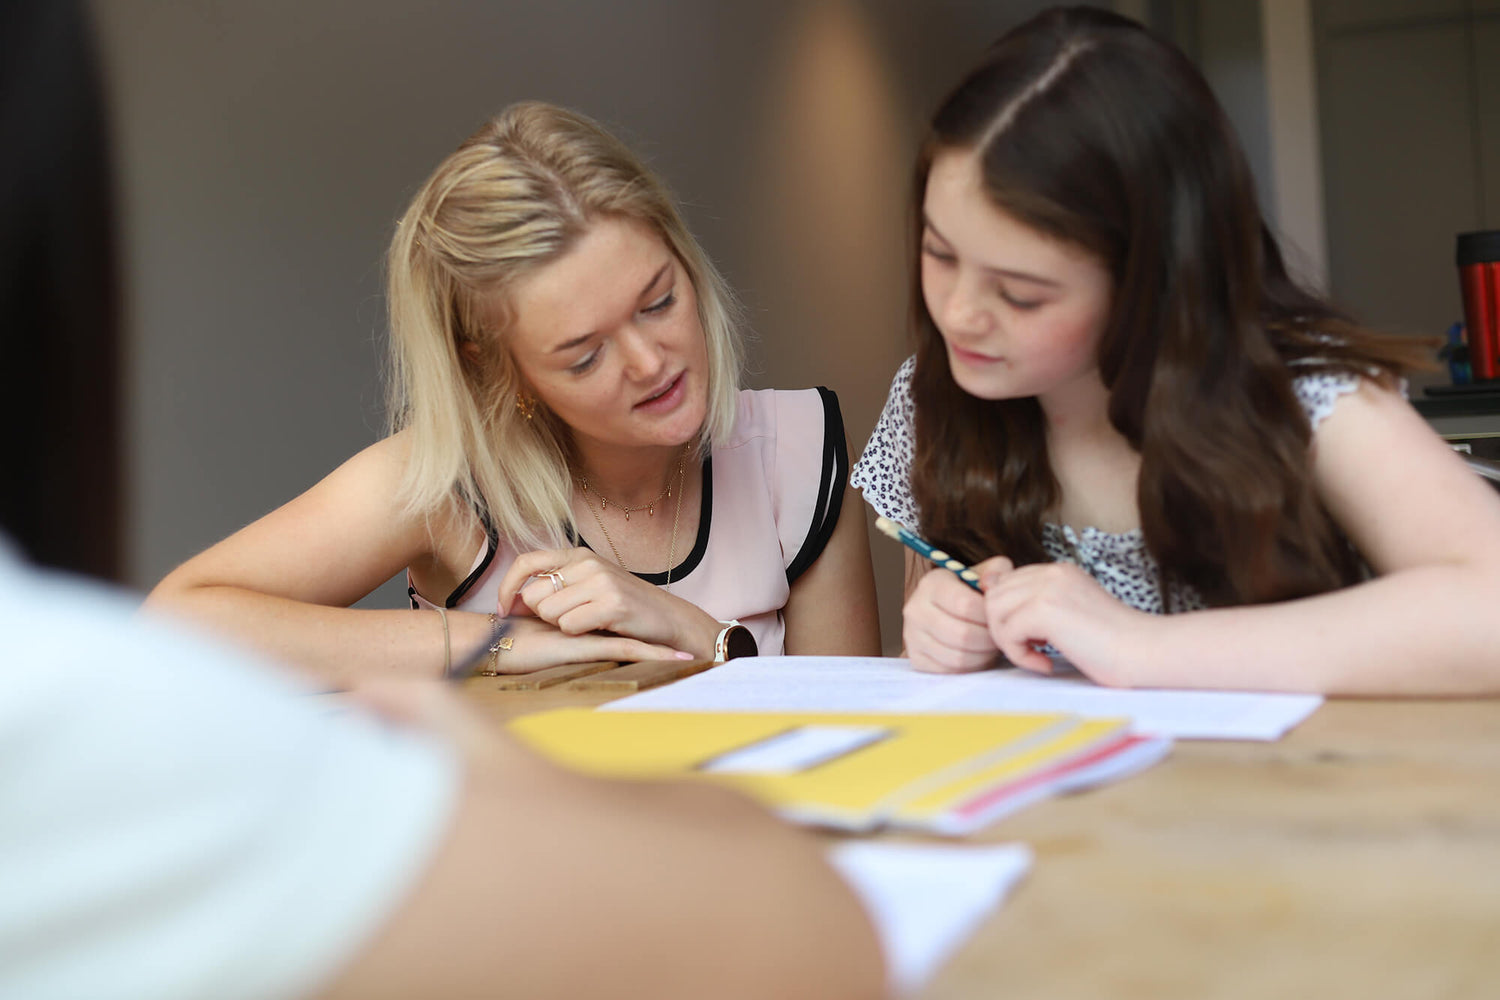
<point>336,645</point>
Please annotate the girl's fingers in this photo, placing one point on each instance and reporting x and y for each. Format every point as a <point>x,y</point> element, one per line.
<point>1012,625</point>
<point>951,596</point>
<point>992,570</point>
<point>921,618</point>
<point>1026,656</point>
<point>948,644</point>
<point>961,637</point>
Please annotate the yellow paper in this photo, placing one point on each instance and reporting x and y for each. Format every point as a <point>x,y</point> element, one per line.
<point>926,763</point>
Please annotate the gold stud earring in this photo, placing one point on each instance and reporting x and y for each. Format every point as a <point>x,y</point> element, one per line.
<point>526,405</point>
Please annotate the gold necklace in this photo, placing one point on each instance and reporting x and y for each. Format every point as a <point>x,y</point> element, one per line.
<point>649,507</point>
<point>676,513</point>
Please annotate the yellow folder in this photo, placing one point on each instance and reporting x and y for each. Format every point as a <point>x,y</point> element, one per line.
<point>850,771</point>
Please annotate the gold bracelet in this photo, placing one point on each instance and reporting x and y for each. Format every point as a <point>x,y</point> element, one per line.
<point>502,643</point>
<point>447,643</point>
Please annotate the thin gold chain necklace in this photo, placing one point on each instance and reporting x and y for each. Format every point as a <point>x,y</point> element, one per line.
<point>649,507</point>
<point>676,513</point>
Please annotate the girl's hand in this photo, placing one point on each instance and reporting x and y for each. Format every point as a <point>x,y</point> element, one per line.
<point>1059,603</point>
<point>585,593</point>
<point>943,624</point>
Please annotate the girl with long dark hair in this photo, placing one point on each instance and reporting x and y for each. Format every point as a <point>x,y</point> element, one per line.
<point>1171,464</point>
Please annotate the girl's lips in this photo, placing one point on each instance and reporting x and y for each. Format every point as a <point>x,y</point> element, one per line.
<point>666,400</point>
<point>969,357</point>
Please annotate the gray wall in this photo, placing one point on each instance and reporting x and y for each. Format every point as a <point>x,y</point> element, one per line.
<point>1410,98</point>
<point>266,148</point>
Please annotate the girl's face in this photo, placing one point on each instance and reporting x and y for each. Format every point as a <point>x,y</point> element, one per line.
<point>1021,313</point>
<point>608,338</point>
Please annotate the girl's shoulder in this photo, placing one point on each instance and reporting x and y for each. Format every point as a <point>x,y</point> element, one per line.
<point>901,381</point>
<point>883,472</point>
<point>1319,388</point>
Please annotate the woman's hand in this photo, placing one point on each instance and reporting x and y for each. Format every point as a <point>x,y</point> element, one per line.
<point>1060,604</point>
<point>943,624</point>
<point>581,593</point>
<point>536,645</point>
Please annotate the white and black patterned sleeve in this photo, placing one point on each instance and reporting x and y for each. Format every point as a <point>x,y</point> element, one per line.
<point>883,472</point>
<point>1319,393</point>
<point>1320,390</point>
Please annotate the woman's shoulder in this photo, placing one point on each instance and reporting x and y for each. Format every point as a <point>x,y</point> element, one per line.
<point>792,463</point>
<point>371,474</point>
<point>773,414</point>
<point>377,475</point>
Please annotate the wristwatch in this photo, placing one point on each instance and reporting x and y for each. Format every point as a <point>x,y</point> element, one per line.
<point>734,640</point>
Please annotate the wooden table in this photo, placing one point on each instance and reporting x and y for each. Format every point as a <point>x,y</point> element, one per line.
<point>1358,857</point>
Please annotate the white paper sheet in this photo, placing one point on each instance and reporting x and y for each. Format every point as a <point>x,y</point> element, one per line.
<point>882,684</point>
<point>795,750</point>
<point>925,900</point>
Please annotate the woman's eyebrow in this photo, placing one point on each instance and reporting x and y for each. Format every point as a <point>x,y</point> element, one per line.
<point>655,278</point>
<point>573,342</point>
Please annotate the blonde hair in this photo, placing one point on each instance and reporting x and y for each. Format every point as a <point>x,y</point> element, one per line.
<point>516,195</point>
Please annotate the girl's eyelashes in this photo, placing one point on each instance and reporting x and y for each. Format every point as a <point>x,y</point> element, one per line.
<point>941,256</point>
<point>947,259</point>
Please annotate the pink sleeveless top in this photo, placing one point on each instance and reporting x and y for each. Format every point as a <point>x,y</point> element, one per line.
<point>771,499</point>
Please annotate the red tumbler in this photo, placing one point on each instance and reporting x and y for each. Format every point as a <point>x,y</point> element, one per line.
<point>1479,279</point>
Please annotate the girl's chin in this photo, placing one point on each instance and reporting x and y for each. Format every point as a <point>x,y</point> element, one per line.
<point>980,388</point>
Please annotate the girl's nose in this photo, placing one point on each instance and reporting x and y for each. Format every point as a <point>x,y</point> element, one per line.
<point>964,312</point>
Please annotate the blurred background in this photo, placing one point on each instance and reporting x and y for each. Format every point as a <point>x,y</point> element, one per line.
<point>262,152</point>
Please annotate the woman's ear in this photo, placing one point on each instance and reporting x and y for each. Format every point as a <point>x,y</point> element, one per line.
<point>468,350</point>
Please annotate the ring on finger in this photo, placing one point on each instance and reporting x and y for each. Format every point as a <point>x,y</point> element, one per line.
<point>558,583</point>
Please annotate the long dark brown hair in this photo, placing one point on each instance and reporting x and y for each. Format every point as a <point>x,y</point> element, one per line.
<point>1093,131</point>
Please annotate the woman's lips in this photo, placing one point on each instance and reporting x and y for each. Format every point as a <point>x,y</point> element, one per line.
<point>665,399</point>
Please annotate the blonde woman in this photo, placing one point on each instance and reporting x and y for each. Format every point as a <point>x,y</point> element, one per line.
<point>569,445</point>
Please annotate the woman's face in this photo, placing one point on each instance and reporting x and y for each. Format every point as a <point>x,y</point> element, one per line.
<point>1020,313</point>
<point>608,338</point>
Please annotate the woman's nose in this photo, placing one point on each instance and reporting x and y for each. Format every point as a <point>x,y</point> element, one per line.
<point>644,357</point>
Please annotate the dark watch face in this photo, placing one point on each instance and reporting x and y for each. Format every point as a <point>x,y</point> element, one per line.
<point>739,642</point>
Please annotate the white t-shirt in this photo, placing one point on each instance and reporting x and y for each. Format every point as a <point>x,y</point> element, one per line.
<point>178,820</point>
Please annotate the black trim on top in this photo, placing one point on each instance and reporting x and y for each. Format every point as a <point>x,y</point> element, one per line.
<point>700,545</point>
<point>830,487</point>
<point>689,563</point>
<point>491,546</point>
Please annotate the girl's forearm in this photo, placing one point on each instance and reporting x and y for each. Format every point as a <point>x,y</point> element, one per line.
<point>1431,630</point>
